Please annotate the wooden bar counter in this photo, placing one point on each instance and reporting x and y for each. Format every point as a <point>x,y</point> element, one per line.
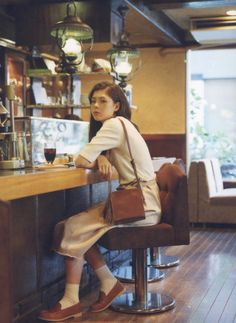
<point>31,203</point>
<point>23,183</point>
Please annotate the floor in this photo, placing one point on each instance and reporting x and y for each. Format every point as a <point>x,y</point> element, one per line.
<point>203,285</point>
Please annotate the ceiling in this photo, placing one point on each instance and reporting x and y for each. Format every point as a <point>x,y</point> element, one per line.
<point>168,22</point>
<point>158,23</point>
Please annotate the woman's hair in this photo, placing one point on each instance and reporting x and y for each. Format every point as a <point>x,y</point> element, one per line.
<point>117,95</point>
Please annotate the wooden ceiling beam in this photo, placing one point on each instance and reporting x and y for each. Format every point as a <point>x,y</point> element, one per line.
<point>193,4</point>
<point>24,2</point>
<point>160,21</point>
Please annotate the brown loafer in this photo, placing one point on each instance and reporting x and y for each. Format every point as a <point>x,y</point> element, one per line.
<point>56,314</point>
<point>104,301</point>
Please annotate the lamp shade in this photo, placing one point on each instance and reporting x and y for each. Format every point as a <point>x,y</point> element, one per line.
<point>72,27</point>
<point>125,59</point>
<point>71,34</point>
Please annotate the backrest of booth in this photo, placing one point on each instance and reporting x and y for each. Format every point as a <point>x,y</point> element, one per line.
<point>172,182</point>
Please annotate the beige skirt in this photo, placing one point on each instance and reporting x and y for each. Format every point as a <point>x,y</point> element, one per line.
<point>74,236</point>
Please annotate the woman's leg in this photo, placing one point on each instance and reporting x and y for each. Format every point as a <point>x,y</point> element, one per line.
<point>73,269</point>
<point>95,259</point>
<point>110,286</point>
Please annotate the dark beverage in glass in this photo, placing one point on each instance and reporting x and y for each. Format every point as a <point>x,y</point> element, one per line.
<point>50,154</point>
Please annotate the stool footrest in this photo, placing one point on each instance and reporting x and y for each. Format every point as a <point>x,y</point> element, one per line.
<point>126,303</point>
<point>125,274</point>
<point>164,261</point>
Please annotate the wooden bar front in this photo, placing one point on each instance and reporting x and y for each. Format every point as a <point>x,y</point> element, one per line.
<point>31,273</point>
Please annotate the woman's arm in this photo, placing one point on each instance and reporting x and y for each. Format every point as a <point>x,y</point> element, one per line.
<point>82,162</point>
<point>104,167</point>
<point>102,163</point>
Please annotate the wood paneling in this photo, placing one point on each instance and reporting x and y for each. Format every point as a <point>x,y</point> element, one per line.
<point>23,244</point>
<point>31,273</point>
<point>166,145</point>
<point>5,263</point>
<point>51,210</point>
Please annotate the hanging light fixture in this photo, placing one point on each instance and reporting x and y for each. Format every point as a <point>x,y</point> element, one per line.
<point>124,58</point>
<point>73,37</point>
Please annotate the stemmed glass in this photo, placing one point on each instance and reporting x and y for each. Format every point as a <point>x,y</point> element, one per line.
<point>50,152</point>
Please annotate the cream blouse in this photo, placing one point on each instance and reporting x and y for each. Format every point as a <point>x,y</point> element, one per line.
<point>111,137</point>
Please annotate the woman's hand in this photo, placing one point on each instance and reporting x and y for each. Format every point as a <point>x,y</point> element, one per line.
<point>104,167</point>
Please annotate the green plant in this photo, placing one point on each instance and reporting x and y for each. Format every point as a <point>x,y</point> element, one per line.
<point>203,144</point>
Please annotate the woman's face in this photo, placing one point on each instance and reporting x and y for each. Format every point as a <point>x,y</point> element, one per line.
<point>102,106</point>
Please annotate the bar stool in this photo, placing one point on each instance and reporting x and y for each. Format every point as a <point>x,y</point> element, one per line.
<point>174,230</point>
<point>157,259</point>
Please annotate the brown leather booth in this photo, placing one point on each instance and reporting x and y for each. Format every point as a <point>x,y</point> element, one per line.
<point>173,230</point>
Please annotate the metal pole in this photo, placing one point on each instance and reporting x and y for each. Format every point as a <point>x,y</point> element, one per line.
<point>141,276</point>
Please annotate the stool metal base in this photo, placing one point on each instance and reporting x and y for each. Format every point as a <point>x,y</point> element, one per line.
<point>164,261</point>
<point>155,303</point>
<point>125,274</point>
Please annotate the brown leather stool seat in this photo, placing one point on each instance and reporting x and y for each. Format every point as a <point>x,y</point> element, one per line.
<point>173,230</point>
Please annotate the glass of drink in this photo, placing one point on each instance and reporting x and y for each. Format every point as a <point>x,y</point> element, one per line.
<point>50,152</point>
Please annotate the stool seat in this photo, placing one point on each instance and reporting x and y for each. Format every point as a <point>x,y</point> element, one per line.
<point>147,237</point>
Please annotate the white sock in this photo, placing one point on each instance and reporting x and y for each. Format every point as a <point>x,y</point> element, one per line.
<point>106,278</point>
<point>71,296</point>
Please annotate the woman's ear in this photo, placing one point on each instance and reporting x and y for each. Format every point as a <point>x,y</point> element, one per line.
<point>117,106</point>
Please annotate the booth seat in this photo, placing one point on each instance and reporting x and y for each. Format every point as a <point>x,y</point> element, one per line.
<point>209,201</point>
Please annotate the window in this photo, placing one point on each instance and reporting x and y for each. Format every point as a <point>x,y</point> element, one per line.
<point>212,107</point>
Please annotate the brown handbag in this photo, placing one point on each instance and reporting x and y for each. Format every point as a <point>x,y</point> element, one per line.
<point>125,205</point>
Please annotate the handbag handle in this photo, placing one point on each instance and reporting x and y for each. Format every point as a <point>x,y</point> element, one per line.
<point>132,159</point>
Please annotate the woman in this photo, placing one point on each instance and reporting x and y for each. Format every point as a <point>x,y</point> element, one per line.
<point>75,238</point>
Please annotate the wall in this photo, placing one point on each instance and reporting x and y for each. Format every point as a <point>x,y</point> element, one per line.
<point>158,90</point>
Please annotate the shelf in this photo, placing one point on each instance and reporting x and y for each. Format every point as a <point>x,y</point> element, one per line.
<point>57,106</point>
<point>47,88</point>
<point>42,73</point>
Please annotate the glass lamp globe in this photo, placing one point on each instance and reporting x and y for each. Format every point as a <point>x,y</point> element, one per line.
<point>122,66</point>
<point>72,49</point>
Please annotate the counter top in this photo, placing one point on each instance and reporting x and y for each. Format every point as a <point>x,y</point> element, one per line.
<point>29,182</point>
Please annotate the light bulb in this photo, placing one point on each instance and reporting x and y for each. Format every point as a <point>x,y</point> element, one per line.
<point>231,12</point>
<point>72,49</point>
<point>122,66</point>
